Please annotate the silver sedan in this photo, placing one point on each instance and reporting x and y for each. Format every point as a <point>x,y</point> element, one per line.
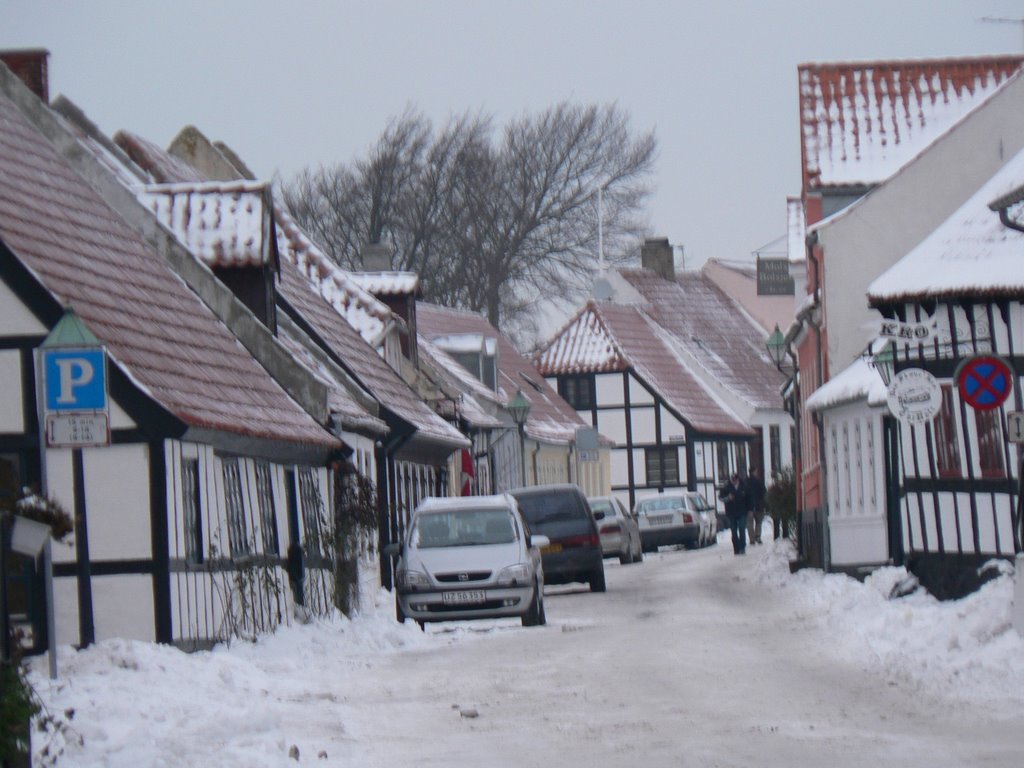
<point>618,528</point>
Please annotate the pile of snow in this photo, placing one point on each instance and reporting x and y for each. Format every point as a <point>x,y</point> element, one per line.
<point>966,649</point>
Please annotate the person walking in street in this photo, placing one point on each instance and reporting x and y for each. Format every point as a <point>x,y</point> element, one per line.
<point>735,497</point>
<point>755,501</point>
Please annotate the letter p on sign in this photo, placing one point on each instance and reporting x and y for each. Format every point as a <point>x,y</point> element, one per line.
<point>75,380</point>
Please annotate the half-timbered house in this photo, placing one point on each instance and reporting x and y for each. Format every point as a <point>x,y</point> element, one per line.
<point>676,374</point>
<point>956,500</point>
<point>215,465</point>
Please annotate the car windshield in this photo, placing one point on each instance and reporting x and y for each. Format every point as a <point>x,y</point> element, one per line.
<point>659,505</point>
<point>463,528</point>
<point>603,506</point>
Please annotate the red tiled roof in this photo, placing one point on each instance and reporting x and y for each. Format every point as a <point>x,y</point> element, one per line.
<point>155,328</point>
<point>550,418</point>
<point>713,331</point>
<point>640,344</point>
<point>366,366</point>
<point>161,165</point>
<point>862,122</point>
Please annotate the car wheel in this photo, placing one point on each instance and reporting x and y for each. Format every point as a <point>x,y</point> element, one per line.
<point>625,558</point>
<point>534,616</point>
<point>639,556</point>
<point>597,583</point>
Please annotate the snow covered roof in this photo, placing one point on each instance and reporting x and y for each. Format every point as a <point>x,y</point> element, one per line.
<point>971,254</point>
<point>363,363</point>
<point>713,331</point>
<point>551,419</point>
<point>222,223</point>
<point>862,122</point>
<point>605,337</point>
<point>158,332</point>
<point>474,395</point>
<point>858,381</point>
<point>340,288</point>
<point>388,283</point>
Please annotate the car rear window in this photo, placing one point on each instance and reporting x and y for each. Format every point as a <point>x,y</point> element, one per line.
<point>659,505</point>
<point>544,508</point>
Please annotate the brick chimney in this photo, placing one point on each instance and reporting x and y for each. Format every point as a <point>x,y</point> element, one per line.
<point>656,255</point>
<point>376,257</point>
<point>29,65</point>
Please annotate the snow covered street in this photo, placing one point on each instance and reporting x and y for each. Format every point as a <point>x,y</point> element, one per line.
<point>690,659</point>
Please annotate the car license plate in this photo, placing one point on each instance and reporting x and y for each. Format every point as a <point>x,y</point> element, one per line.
<point>551,549</point>
<point>659,519</point>
<point>468,597</point>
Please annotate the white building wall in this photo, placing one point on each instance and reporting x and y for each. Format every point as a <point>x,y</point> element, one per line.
<point>15,318</point>
<point>608,389</point>
<point>897,215</point>
<point>12,419</point>
<point>854,451</point>
<point>117,502</point>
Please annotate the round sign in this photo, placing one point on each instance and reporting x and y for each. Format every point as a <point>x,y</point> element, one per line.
<point>914,396</point>
<point>985,382</point>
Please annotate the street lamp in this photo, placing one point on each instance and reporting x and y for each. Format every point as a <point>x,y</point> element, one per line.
<point>885,363</point>
<point>519,409</point>
<point>777,348</point>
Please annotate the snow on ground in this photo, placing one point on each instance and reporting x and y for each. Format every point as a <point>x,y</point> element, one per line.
<point>129,703</point>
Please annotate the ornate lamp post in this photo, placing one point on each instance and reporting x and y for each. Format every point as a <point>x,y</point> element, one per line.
<point>777,347</point>
<point>885,363</point>
<point>519,409</point>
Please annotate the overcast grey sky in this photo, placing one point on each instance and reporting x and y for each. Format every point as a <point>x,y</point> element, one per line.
<point>291,84</point>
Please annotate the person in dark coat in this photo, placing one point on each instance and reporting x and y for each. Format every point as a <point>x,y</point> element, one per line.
<point>755,501</point>
<point>734,494</point>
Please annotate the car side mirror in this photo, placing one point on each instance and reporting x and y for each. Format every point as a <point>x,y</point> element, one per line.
<point>599,515</point>
<point>394,549</point>
<point>539,540</point>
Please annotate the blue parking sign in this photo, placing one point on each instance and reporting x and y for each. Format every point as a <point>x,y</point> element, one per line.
<point>75,379</point>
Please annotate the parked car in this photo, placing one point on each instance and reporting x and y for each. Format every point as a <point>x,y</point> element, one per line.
<point>469,558</point>
<point>573,552</point>
<point>618,529</point>
<point>672,519</point>
<point>709,517</point>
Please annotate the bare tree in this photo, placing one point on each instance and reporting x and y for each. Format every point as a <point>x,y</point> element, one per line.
<point>496,227</point>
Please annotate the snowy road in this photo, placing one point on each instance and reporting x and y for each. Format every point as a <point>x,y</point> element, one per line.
<point>690,659</point>
<point>683,662</point>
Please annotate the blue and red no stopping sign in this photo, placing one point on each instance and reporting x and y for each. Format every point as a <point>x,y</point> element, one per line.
<point>985,382</point>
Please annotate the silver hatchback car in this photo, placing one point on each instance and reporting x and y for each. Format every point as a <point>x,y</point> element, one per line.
<point>469,558</point>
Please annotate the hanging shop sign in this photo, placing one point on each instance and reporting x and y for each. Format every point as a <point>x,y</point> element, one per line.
<point>914,396</point>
